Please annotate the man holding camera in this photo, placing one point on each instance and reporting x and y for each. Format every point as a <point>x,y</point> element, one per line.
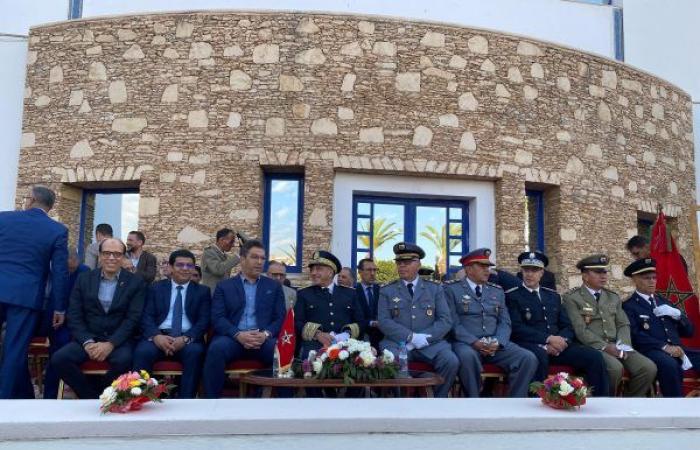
<point>217,262</point>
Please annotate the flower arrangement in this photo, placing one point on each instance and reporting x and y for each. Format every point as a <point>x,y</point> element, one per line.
<point>351,360</point>
<point>562,391</point>
<point>130,391</point>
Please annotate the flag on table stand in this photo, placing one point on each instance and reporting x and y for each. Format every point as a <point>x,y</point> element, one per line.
<point>286,342</point>
<point>672,279</point>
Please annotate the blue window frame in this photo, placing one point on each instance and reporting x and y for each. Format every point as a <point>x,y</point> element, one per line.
<point>82,238</point>
<point>283,219</point>
<point>440,227</point>
<point>535,223</point>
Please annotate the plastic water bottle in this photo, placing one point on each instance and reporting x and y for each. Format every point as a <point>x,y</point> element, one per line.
<point>403,359</point>
<point>276,363</point>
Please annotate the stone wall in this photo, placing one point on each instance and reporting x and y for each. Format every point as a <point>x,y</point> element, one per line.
<point>194,107</point>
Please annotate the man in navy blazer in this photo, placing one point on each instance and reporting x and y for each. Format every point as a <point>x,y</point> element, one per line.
<point>174,322</point>
<point>368,293</point>
<point>32,246</point>
<point>247,312</point>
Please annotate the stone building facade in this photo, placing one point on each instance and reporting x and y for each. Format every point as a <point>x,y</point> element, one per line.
<point>193,108</point>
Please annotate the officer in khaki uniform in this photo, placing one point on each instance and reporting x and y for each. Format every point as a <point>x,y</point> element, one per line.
<point>414,311</point>
<point>600,322</point>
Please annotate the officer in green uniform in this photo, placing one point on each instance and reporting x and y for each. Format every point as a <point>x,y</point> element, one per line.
<point>600,322</point>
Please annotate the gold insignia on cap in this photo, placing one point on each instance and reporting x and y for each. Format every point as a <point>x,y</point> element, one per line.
<point>487,252</point>
<point>402,247</point>
<point>647,261</point>
<point>532,256</point>
<point>604,259</point>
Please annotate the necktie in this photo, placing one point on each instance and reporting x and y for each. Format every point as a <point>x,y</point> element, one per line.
<point>176,326</point>
<point>477,291</point>
<point>369,295</point>
<point>597,296</point>
<point>410,289</point>
<point>325,290</point>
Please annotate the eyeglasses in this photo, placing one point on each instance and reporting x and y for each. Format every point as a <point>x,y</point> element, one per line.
<point>116,255</point>
<point>181,265</point>
<point>369,269</point>
<point>276,275</point>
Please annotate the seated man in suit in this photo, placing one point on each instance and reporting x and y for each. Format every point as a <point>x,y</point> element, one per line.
<point>657,327</point>
<point>541,325</point>
<point>326,312</point>
<point>277,270</point>
<point>174,322</point>
<point>247,313</point>
<point>368,292</point>
<point>104,314</point>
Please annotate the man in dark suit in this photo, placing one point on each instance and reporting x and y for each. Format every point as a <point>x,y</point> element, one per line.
<point>137,259</point>
<point>174,322</point>
<point>104,314</point>
<point>368,292</point>
<point>657,327</point>
<point>247,313</point>
<point>32,245</point>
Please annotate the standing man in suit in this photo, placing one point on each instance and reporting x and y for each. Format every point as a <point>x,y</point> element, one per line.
<point>32,247</point>
<point>247,313</point>
<point>482,329</point>
<point>174,322</point>
<point>104,314</point>
<point>216,263</point>
<point>657,328</point>
<point>600,322</point>
<point>278,271</point>
<point>540,324</point>
<point>137,259</point>
<point>326,312</point>
<point>414,312</point>
<point>368,292</point>
<point>92,253</point>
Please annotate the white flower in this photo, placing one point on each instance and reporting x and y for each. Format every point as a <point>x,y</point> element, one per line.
<point>367,358</point>
<point>343,355</point>
<point>387,356</point>
<point>154,382</point>
<point>312,355</point>
<point>583,390</point>
<point>564,375</point>
<point>108,395</point>
<point>136,391</point>
<point>565,389</point>
<point>316,365</point>
<point>323,357</point>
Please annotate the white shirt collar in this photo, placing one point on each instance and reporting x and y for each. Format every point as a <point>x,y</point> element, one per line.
<point>174,285</point>
<point>593,292</point>
<point>414,282</point>
<point>330,287</point>
<point>535,290</point>
<point>644,296</point>
<point>473,285</point>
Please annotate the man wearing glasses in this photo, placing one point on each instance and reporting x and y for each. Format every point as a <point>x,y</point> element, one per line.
<point>104,314</point>
<point>368,292</point>
<point>600,322</point>
<point>174,322</point>
<point>277,270</point>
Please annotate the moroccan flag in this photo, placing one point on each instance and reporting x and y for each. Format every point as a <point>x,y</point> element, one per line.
<point>286,342</point>
<point>672,280</point>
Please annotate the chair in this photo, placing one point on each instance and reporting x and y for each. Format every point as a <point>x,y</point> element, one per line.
<point>88,368</point>
<point>37,358</point>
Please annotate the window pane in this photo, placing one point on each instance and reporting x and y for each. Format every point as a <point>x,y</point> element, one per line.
<point>456,229</point>
<point>359,256</point>
<point>121,211</point>
<point>456,214</point>
<point>388,230</point>
<point>431,229</point>
<point>532,227</point>
<point>362,225</point>
<point>364,209</point>
<point>284,220</point>
<point>454,261</point>
<point>456,246</point>
<point>363,242</point>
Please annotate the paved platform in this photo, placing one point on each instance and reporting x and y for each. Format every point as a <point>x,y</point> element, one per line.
<point>292,422</point>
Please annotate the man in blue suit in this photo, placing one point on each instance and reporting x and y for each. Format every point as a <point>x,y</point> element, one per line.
<point>368,293</point>
<point>657,326</point>
<point>174,322</point>
<point>247,313</point>
<point>32,246</point>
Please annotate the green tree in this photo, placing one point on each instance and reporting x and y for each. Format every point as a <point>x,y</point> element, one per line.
<point>382,231</point>
<point>289,256</point>
<point>386,271</point>
<point>439,240</point>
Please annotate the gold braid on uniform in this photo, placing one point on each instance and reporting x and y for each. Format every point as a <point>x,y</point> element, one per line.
<point>354,330</point>
<point>309,330</point>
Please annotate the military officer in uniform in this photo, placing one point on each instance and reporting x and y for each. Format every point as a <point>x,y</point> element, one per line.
<point>413,311</point>
<point>540,324</point>
<point>326,312</point>
<point>657,328</point>
<point>600,322</point>
<point>481,328</point>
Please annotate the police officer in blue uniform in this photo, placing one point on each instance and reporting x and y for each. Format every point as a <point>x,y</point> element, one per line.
<point>541,325</point>
<point>414,311</point>
<point>481,328</point>
<point>657,326</point>
<point>326,312</point>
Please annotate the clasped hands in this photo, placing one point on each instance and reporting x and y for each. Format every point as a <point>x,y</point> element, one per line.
<point>168,344</point>
<point>486,346</point>
<point>251,339</point>
<point>554,345</point>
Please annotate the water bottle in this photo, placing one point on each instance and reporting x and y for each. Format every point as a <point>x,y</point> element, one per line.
<point>403,359</point>
<point>276,363</point>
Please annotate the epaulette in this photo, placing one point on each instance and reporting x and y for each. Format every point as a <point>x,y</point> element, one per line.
<point>549,289</point>
<point>389,283</point>
<point>450,282</point>
<point>513,289</point>
<point>495,285</point>
<point>610,291</point>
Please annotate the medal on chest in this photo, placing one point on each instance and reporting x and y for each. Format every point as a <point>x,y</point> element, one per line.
<point>528,314</point>
<point>395,309</point>
<point>465,303</point>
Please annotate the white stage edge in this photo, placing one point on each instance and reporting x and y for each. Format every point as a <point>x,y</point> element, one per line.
<point>79,419</point>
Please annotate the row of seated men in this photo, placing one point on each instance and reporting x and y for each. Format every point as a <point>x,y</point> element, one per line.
<point>114,316</point>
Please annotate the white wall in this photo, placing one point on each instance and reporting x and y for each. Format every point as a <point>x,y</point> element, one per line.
<point>578,25</point>
<point>480,194</point>
<point>663,37</point>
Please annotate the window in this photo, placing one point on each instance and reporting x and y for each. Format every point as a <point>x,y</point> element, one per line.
<point>438,227</point>
<point>282,226</point>
<point>534,227</point>
<point>117,207</point>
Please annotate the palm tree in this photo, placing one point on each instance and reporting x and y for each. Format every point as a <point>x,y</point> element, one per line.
<point>381,233</point>
<point>439,240</point>
<point>290,255</point>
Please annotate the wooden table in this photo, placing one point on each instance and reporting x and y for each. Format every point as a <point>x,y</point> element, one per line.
<point>422,382</point>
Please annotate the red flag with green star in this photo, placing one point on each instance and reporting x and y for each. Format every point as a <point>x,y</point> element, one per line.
<point>286,342</point>
<point>672,281</point>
